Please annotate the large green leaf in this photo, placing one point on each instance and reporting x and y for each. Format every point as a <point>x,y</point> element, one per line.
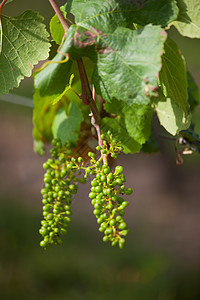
<point>67,127</point>
<point>172,105</point>
<point>127,65</point>
<point>188,22</point>
<point>171,116</point>
<point>24,43</point>
<point>131,126</point>
<point>173,76</point>
<point>121,13</point>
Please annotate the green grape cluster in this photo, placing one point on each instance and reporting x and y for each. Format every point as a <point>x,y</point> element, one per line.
<point>106,191</point>
<point>60,183</point>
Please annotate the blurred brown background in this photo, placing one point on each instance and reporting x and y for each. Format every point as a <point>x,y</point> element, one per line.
<point>162,256</point>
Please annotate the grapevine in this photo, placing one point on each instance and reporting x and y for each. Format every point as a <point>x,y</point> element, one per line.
<point>115,71</point>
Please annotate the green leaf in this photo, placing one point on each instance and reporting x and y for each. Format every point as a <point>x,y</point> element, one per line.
<point>132,125</point>
<point>43,114</point>
<point>193,92</point>
<point>56,28</point>
<point>64,92</point>
<point>53,79</point>
<point>172,105</point>
<point>122,13</point>
<point>188,22</point>
<point>128,64</point>
<point>67,128</point>
<point>171,116</point>
<point>24,43</point>
<point>173,76</point>
<point>160,12</point>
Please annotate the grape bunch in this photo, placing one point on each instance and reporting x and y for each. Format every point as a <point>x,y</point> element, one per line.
<point>60,183</point>
<point>107,189</point>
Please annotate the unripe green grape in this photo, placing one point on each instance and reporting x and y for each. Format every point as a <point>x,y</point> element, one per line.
<point>112,222</point>
<point>105,238</point>
<point>107,191</point>
<point>98,148</point>
<point>106,170</point>
<point>44,201</point>
<point>108,231</point>
<point>92,195</point>
<point>43,231</point>
<point>43,191</point>
<point>43,244</point>
<point>45,165</point>
<point>94,182</point>
<point>93,201</point>
<point>63,231</point>
<point>122,225</point>
<point>97,212</point>
<point>121,243</point>
<point>55,211</point>
<point>103,178</point>
<point>114,243</point>
<point>67,220</point>
<point>98,189</point>
<point>49,217</point>
<point>128,191</point>
<point>118,181</point>
<point>101,229</point>
<point>110,176</point>
<point>45,213</point>
<point>109,206</point>
<point>46,207</point>
<point>68,213</point>
<point>124,204</point>
<point>56,230</point>
<point>100,220</point>
<point>119,169</point>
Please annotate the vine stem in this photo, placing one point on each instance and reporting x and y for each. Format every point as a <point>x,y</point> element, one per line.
<point>59,14</point>
<point>2,4</point>
<point>87,97</point>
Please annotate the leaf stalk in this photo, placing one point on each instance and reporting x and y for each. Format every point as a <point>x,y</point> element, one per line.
<point>2,4</point>
<point>59,14</point>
